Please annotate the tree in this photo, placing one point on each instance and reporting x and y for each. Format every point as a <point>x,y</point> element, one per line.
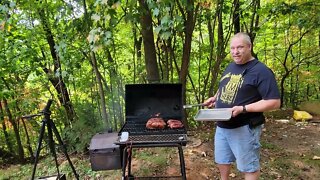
<point>15,128</point>
<point>188,13</point>
<point>54,74</point>
<point>148,43</point>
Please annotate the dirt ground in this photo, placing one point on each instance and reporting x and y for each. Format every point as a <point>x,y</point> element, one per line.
<point>290,150</point>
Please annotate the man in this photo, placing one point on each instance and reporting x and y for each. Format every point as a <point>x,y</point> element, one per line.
<point>248,87</point>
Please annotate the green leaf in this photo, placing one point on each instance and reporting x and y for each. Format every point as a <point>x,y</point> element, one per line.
<point>64,74</point>
<point>12,4</point>
<point>156,12</point>
<point>108,34</point>
<point>95,17</point>
<point>165,19</point>
<point>157,29</point>
<point>165,35</point>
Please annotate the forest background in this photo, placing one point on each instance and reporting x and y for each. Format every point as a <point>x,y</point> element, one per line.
<point>81,54</point>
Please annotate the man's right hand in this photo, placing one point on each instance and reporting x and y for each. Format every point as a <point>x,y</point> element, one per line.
<point>210,102</point>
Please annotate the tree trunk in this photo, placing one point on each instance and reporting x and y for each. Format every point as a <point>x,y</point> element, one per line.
<point>115,84</point>
<point>137,53</point>
<point>254,24</point>
<point>189,27</point>
<point>16,130</point>
<point>99,77</point>
<point>56,81</point>
<point>211,30</point>
<point>148,42</point>
<point>220,48</point>
<point>101,92</point>
<point>236,16</point>
<point>4,127</point>
<point>28,140</point>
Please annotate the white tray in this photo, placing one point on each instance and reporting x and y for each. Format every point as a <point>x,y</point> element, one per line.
<point>217,114</point>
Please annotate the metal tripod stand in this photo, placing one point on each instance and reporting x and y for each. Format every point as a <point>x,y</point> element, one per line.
<point>47,122</point>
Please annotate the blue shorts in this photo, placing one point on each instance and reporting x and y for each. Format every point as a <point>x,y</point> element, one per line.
<point>241,144</point>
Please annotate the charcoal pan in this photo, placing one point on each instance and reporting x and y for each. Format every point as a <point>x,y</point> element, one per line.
<point>217,114</point>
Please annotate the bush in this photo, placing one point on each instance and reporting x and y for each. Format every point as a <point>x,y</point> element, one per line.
<point>85,126</point>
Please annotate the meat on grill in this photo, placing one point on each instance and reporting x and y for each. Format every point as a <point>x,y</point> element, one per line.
<point>155,123</point>
<point>174,124</point>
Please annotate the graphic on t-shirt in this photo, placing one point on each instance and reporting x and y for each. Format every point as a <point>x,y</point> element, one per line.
<point>230,90</point>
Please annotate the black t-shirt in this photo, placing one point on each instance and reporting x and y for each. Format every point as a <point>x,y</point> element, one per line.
<point>242,85</point>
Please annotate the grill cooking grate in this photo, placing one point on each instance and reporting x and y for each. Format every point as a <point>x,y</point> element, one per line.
<point>139,134</point>
<point>139,128</point>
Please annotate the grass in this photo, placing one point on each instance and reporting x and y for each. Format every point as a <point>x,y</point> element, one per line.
<point>308,159</point>
<point>153,160</point>
<point>282,167</point>
<point>285,164</point>
<point>267,145</point>
<point>46,167</point>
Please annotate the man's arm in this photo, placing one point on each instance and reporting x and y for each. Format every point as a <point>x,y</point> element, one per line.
<point>263,105</point>
<point>259,106</point>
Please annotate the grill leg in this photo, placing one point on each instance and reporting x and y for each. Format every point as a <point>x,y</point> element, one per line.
<point>182,164</point>
<point>126,161</point>
<point>129,162</point>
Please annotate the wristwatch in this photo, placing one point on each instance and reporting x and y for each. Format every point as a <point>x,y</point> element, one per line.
<point>244,109</point>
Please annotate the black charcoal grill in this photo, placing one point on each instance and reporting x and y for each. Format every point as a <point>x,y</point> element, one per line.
<point>142,102</point>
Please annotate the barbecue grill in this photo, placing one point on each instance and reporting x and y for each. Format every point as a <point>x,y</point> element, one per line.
<point>142,102</point>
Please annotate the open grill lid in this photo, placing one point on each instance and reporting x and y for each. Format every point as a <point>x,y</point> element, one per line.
<point>144,101</point>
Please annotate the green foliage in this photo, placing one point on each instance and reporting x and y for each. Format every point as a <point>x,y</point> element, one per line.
<point>312,107</point>
<point>167,21</point>
<point>78,135</point>
<point>293,50</point>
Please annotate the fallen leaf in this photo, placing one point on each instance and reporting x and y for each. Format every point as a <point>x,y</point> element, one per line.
<point>204,154</point>
<point>283,120</point>
<point>316,158</point>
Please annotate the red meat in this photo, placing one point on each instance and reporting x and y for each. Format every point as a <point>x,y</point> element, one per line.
<point>156,123</point>
<point>174,124</point>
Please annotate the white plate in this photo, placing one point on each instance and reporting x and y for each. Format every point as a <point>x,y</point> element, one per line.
<point>217,114</point>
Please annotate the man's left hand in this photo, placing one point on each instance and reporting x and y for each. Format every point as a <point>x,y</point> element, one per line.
<point>236,110</point>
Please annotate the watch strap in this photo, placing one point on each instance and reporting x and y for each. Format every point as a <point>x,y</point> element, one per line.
<point>244,109</point>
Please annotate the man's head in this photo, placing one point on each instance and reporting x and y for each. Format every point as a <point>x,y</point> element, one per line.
<point>240,48</point>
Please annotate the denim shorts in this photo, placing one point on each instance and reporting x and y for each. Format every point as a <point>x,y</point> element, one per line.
<point>240,145</point>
